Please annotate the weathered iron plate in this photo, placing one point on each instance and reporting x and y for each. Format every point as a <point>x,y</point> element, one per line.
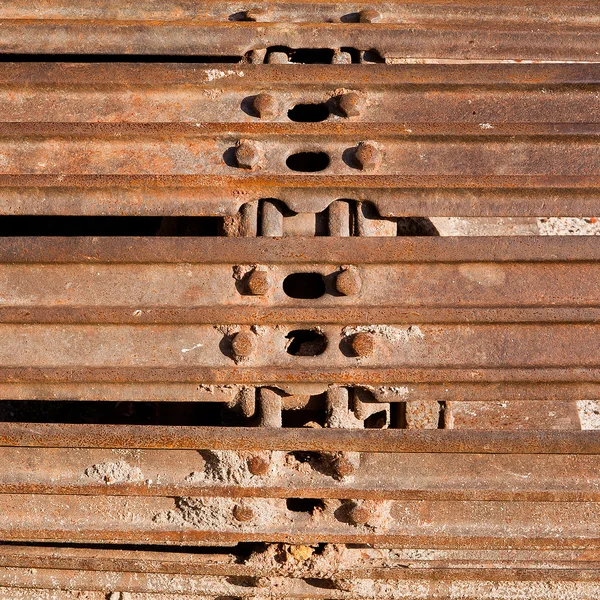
<point>183,520</point>
<point>381,476</point>
<point>116,312</point>
<point>83,163</point>
<point>160,139</point>
<point>468,30</point>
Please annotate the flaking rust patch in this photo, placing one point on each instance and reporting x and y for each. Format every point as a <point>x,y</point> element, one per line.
<point>114,472</point>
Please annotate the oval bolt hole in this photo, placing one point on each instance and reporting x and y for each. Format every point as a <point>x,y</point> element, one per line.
<point>308,162</point>
<point>304,285</point>
<point>309,113</point>
<point>306,342</point>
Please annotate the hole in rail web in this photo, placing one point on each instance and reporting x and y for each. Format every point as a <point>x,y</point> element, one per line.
<point>306,286</point>
<point>308,162</point>
<point>306,342</point>
<point>309,113</point>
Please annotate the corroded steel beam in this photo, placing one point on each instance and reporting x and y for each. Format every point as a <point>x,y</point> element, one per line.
<point>418,30</point>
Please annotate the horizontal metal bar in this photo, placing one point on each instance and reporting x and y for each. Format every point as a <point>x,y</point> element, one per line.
<point>380,476</point>
<point>438,580</point>
<point>298,251</point>
<point>52,435</point>
<point>188,521</point>
<point>423,95</point>
<point>58,280</point>
<point>204,353</point>
<point>421,38</point>
<point>108,162</point>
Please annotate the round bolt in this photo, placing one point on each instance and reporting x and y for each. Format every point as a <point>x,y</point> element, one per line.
<point>363,344</point>
<point>258,283</point>
<point>359,514</point>
<point>351,104</point>
<point>369,16</point>
<point>368,156</point>
<point>243,513</point>
<point>265,106</point>
<point>278,58</point>
<point>247,154</point>
<point>348,282</point>
<point>257,465</point>
<point>343,466</point>
<point>243,344</point>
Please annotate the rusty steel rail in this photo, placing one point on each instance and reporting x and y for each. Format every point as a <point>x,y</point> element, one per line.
<point>379,476</point>
<point>417,30</point>
<point>119,163</point>
<point>441,138</point>
<point>165,316</point>
<point>395,524</point>
<point>63,435</point>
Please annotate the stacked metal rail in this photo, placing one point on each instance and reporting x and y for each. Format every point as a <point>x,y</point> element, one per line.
<point>330,396</point>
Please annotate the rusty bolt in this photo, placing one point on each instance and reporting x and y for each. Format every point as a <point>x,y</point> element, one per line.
<point>243,344</point>
<point>265,106</point>
<point>348,282</point>
<point>363,344</point>
<point>247,154</point>
<point>258,283</point>
<point>359,514</point>
<point>343,466</point>
<point>351,104</point>
<point>368,156</point>
<point>243,513</point>
<point>278,58</point>
<point>369,16</point>
<point>257,465</point>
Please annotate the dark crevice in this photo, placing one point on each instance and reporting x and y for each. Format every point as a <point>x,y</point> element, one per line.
<point>120,58</point>
<point>116,413</point>
<point>304,285</point>
<point>309,113</point>
<point>308,162</point>
<point>305,505</point>
<point>306,342</point>
<point>17,225</point>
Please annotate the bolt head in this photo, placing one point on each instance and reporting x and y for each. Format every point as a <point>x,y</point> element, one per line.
<point>265,106</point>
<point>359,514</point>
<point>243,513</point>
<point>243,344</point>
<point>348,282</point>
<point>343,466</point>
<point>258,283</point>
<point>257,465</point>
<point>363,344</point>
<point>368,156</point>
<point>247,154</point>
<point>369,16</point>
<point>351,104</point>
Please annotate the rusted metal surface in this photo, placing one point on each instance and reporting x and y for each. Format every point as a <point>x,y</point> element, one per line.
<point>139,158</point>
<point>185,520</point>
<point>422,30</point>
<point>62,435</point>
<point>160,139</point>
<point>379,476</point>
<point>325,415</point>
